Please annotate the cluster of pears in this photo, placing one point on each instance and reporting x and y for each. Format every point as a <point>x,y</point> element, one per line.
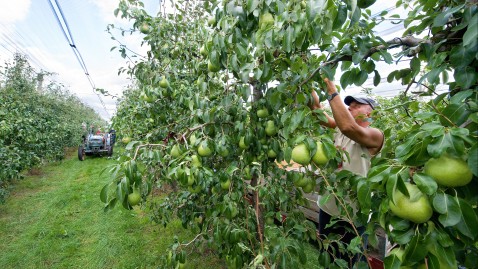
<point>203,150</point>
<point>306,183</point>
<point>212,66</point>
<point>270,130</point>
<point>270,127</point>
<point>301,154</point>
<point>447,171</point>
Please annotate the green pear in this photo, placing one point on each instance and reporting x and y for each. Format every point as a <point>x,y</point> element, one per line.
<point>271,128</point>
<point>195,161</point>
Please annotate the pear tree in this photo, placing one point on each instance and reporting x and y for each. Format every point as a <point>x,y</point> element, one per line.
<point>229,62</point>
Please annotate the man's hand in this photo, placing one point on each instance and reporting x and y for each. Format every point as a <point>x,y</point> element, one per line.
<point>315,103</point>
<point>331,88</point>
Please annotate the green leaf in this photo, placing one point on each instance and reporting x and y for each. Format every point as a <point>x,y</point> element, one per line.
<point>433,75</point>
<point>433,128</point>
<point>466,76</point>
<point>296,119</point>
<point>391,187</point>
<point>438,248</point>
<point>300,40</point>
<point>461,56</point>
<point>104,193</point>
<point>361,78</point>
<point>415,64</point>
<point>459,132</point>
<point>231,169</point>
<point>252,5</point>
<point>425,183</point>
<point>440,145</point>
<point>131,145</point>
<point>111,204</point>
<point>468,224</point>
<point>471,34</point>
<point>121,190</point>
<point>378,173</point>
<point>288,154</point>
<point>364,195</point>
<point>316,33</point>
<point>433,262</point>
<point>414,151</point>
<point>315,7</point>
<point>368,66</point>
<point>341,16</point>
<point>288,39</point>
<point>376,78</point>
<point>400,224</point>
<point>356,14</point>
<point>302,256</point>
<point>283,260</point>
<point>460,97</point>
<point>456,113</point>
<point>392,262</point>
<point>402,237</point>
<point>345,79</point>
<point>416,250</point>
<point>391,76</point>
<point>241,51</point>
<point>449,209</point>
<point>328,71</point>
<point>473,159</point>
<point>387,57</point>
<point>443,17</point>
<point>266,72</point>
<point>458,141</point>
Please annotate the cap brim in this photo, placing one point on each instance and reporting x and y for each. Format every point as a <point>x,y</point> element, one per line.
<point>365,101</point>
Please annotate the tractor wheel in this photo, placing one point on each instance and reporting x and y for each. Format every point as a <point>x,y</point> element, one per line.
<point>110,151</point>
<point>81,153</point>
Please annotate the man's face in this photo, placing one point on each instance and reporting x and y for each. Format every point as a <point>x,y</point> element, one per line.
<point>359,111</point>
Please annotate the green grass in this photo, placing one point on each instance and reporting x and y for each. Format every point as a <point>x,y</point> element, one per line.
<point>56,220</point>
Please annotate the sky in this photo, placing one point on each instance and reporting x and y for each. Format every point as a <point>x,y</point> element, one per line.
<point>30,28</point>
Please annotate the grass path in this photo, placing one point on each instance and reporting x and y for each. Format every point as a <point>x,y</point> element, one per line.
<point>56,220</point>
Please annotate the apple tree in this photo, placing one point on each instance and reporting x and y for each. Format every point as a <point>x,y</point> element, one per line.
<point>218,109</point>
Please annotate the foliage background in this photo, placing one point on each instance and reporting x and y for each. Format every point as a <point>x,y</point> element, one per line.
<point>35,126</point>
<point>250,55</point>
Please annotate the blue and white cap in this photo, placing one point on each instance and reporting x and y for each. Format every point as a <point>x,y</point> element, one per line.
<point>362,100</point>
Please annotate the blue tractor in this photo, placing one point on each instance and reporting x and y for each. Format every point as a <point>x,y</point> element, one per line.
<point>97,144</point>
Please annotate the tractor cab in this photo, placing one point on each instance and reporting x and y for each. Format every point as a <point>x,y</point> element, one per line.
<point>97,143</point>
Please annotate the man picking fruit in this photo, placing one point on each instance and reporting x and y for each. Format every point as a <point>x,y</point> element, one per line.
<point>356,137</point>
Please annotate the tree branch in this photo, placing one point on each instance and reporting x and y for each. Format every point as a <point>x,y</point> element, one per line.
<point>146,145</point>
<point>195,238</point>
<point>408,41</point>
<point>349,218</point>
<point>190,130</point>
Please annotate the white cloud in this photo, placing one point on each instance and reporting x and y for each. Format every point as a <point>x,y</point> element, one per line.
<point>13,11</point>
<point>106,9</point>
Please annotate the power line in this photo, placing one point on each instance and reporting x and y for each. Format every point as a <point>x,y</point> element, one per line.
<point>387,10</point>
<point>61,20</point>
<point>18,46</point>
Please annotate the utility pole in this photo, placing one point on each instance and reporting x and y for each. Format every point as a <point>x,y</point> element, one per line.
<point>40,81</point>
